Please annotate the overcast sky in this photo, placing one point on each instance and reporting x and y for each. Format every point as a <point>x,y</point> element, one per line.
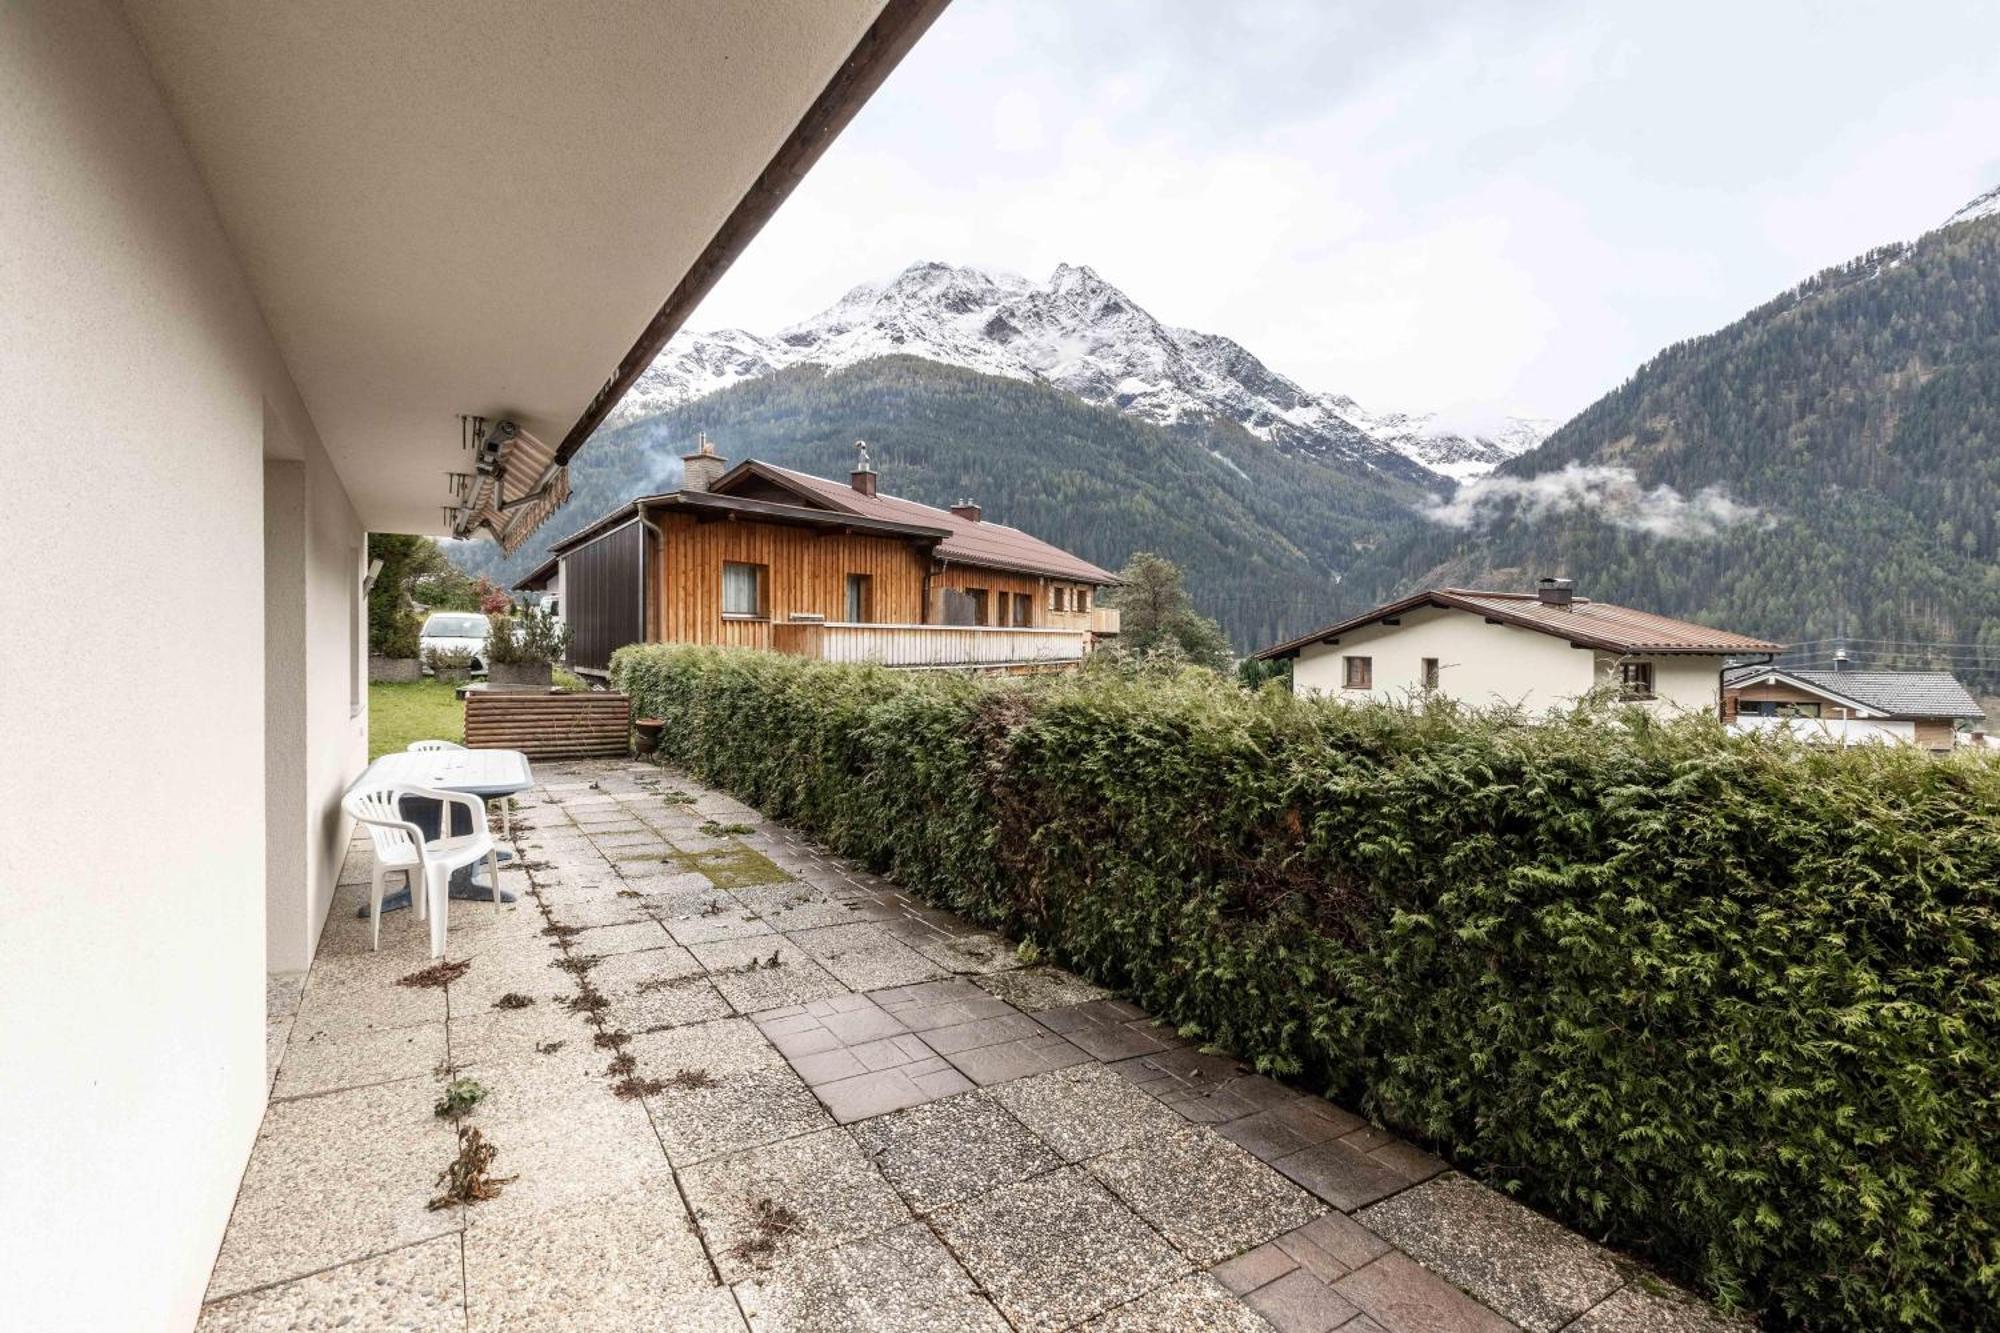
<point>1472,207</point>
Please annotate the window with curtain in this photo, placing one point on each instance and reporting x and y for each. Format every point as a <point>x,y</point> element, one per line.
<point>742,589</point>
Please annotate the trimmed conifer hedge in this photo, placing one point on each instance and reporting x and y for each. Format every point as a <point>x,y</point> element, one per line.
<point>1728,1003</point>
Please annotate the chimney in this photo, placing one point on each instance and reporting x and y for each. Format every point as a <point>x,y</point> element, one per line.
<point>1555,592</point>
<point>966,510</point>
<point>1840,659</point>
<point>862,478</point>
<point>702,468</point>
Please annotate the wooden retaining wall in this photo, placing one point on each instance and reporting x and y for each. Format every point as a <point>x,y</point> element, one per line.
<point>549,726</point>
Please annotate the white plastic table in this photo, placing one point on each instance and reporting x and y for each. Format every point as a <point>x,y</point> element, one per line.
<point>488,774</point>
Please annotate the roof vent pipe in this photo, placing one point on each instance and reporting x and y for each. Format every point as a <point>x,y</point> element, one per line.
<point>1555,592</point>
<point>862,478</point>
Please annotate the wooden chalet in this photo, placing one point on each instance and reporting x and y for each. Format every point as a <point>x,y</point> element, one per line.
<point>759,556</point>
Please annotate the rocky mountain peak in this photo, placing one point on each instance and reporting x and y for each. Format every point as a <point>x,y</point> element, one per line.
<point>1080,333</point>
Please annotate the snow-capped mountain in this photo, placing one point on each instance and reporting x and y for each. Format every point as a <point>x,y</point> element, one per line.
<point>1078,333</point>
<point>1985,206</point>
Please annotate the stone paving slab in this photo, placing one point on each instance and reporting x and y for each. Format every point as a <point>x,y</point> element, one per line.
<point>898,1281</point>
<point>735,1083</point>
<point>1057,1249</point>
<point>416,1286</point>
<point>1208,1197</point>
<point>952,1150</point>
<point>1514,1260</point>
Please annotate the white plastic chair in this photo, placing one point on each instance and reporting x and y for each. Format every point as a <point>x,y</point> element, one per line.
<point>400,845</point>
<point>506,802</point>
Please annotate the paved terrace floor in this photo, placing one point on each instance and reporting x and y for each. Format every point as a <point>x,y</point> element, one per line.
<point>842,1110</point>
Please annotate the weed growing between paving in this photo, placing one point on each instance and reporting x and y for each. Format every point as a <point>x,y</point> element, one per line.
<point>470,1177</point>
<point>437,974</point>
<point>771,1222</point>
<point>513,999</point>
<point>460,1096</point>
<point>715,829</point>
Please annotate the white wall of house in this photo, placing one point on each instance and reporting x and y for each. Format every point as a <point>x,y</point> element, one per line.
<point>1834,730</point>
<point>1485,665</point>
<point>142,393</point>
<point>1682,682</point>
<point>1479,664</point>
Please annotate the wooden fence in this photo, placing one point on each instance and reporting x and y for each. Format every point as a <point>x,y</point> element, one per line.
<point>548,726</point>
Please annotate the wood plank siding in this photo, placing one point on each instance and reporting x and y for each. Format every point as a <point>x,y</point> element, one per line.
<point>803,572</point>
<point>601,591</point>
<point>995,582</point>
<point>548,726</point>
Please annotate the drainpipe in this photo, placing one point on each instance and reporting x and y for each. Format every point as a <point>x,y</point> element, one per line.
<point>645,567</point>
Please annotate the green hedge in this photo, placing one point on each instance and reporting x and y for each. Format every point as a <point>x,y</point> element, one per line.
<point>1727,1003</point>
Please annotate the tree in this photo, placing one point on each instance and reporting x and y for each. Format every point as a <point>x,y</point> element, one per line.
<point>415,572</point>
<point>1154,611</point>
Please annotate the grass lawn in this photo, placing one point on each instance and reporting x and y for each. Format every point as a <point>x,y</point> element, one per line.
<point>400,712</point>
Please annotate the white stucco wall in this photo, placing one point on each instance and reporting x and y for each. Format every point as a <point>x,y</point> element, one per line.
<point>1479,664</point>
<point>1486,666</point>
<point>137,378</point>
<point>1680,683</point>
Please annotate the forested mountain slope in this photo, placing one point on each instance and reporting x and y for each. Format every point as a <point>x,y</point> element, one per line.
<point>1858,415</point>
<point>1269,541</point>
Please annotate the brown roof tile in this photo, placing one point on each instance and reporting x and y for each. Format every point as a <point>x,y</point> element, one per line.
<point>1618,629</point>
<point>985,543</point>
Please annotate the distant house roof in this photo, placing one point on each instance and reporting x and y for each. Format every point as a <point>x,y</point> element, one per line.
<point>1587,624</point>
<point>967,541</point>
<point>824,503</point>
<point>1895,694</point>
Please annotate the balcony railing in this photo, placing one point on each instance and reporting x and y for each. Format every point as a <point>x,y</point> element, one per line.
<point>1104,620</point>
<point>919,646</point>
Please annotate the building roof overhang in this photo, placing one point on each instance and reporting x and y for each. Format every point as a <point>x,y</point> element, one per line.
<point>1760,675</point>
<point>705,505</point>
<point>1500,608</point>
<point>495,208</point>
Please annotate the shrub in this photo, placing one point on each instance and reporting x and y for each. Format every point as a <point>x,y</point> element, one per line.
<point>404,637</point>
<point>1730,1003</point>
<point>532,636</point>
<point>447,659</point>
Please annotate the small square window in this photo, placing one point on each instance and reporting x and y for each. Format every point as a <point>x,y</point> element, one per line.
<point>1430,673</point>
<point>1635,680</point>
<point>1057,598</point>
<point>1359,673</point>
<point>742,589</point>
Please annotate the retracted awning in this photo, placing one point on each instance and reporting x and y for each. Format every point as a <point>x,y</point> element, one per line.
<point>511,486</point>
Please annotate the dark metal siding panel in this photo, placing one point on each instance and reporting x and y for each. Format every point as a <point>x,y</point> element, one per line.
<point>601,581</point>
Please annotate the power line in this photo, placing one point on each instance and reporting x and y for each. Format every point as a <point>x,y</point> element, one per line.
<point>1900,643</point>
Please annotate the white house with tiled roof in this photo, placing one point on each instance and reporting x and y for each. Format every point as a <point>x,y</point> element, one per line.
<point>1537,651</point>
<point>1848,706</point>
